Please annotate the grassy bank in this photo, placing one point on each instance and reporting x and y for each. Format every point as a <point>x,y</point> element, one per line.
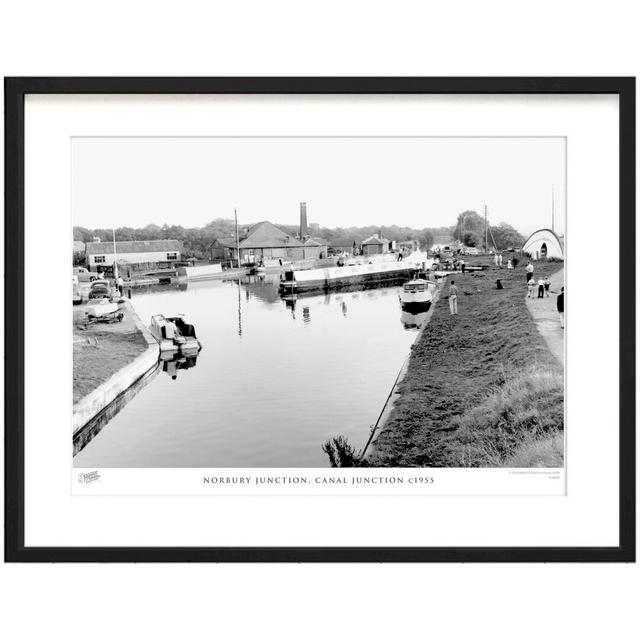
<point>482,388</point>
<point>101,350</point>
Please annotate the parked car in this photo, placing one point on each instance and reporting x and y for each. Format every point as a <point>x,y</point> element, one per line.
<point>100,289</point>
<point>84,275</point>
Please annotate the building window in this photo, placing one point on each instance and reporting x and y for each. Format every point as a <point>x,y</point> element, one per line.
<point>172,256</point>
<point>98,259</point>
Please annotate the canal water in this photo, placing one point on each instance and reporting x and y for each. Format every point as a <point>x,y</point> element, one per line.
<point>275,378</point>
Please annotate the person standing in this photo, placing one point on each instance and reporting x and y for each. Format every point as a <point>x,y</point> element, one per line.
<point>453,299</point>
<point>495,259</point>
<point>529,271</point>
<point>547,284</point>
<point>515,262</point>
<point>509,264</point>
<point>120,283</point>
<point>541,288</point>
<point>560,306</point>
<point>500,260</point>
<point>462,266</point>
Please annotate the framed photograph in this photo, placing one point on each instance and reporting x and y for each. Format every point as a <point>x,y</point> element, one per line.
<point>320,319</point>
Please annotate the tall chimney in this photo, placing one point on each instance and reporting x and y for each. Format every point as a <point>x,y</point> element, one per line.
<point>304,230</point>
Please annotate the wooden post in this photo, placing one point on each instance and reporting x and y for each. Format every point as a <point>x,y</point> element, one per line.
<point>486,240</point>
<point>235,212</point>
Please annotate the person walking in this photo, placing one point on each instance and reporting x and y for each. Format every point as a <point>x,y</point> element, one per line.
<point>453,299</point>
<point>500,260</point>
<point>515,262</point>
<point>530,286</point>
<point>495,259</point>
<point>120,283</point>
<point>529,271</point>
<point>509,264</point>
<point>560,306</point>
<point>541,288</point>
<point>462,266</point>
<point>547,284</point>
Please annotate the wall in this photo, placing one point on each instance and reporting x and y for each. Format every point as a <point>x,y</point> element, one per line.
<point>314,252</point>
<point>370,249</point>
<point>534,247</point>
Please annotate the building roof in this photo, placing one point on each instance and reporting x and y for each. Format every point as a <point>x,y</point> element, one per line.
<point>224,242</point>
<point>266,235</point>
<point>343,242</point>
<point>375,240</point>
<point>315,242</point>
<point>78,245</point>
<point>133,246</point>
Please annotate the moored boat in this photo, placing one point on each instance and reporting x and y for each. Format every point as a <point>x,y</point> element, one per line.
<point>298,281</point>
<point>417,293</point>
<point>174,334</point>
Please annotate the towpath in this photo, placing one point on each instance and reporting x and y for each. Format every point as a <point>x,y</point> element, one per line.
<point>545,315</point>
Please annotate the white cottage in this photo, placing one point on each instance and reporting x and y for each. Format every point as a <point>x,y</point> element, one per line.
<point>133,252</point>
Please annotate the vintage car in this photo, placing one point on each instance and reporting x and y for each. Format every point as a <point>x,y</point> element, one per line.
<point>100,289</point>
<point>85,276</point>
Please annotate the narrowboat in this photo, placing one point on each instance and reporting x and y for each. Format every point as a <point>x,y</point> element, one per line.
<point>301,280</point>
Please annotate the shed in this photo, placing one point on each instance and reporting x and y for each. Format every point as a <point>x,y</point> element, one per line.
<point>377,244</point>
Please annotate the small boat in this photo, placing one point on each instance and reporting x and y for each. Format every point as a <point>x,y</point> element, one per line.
<point>174,334</point>
<point>417,293</point>
<point>102,310</point>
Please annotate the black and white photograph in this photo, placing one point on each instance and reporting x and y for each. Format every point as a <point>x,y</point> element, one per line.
<point>318,302</point>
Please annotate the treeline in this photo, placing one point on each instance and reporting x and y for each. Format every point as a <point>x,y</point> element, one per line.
<point>470,230</point>
<point>196,241</point>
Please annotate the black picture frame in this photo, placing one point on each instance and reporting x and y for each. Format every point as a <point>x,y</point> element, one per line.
<point>15,91</point>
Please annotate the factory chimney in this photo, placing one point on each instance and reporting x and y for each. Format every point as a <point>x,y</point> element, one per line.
<point>304,230</point>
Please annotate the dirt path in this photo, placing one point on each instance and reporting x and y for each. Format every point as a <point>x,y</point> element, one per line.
<point>545,315</point>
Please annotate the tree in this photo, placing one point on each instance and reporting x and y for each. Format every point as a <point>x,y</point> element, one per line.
<point>425,238</point>
<point>505,236</point>
<point>469,229</point>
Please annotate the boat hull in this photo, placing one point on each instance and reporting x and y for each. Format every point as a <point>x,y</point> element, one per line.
<point>335,281</point>
<point>416,307</point>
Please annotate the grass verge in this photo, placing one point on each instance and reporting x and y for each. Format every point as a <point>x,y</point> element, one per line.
<point>101,350</point>
<point>482,388</point>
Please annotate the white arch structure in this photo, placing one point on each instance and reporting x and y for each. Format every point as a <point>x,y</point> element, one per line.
<point>543,244</point>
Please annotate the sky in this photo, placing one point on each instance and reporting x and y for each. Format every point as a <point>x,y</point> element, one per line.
<point>414,182</point>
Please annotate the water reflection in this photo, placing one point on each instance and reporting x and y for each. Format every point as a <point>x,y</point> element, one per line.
<point>277,377</point>
<point>96,424</point>
<point>174,362</point>
<point>413,320</point>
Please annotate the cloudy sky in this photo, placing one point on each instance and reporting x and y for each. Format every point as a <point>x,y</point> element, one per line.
<point>417,182</point>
